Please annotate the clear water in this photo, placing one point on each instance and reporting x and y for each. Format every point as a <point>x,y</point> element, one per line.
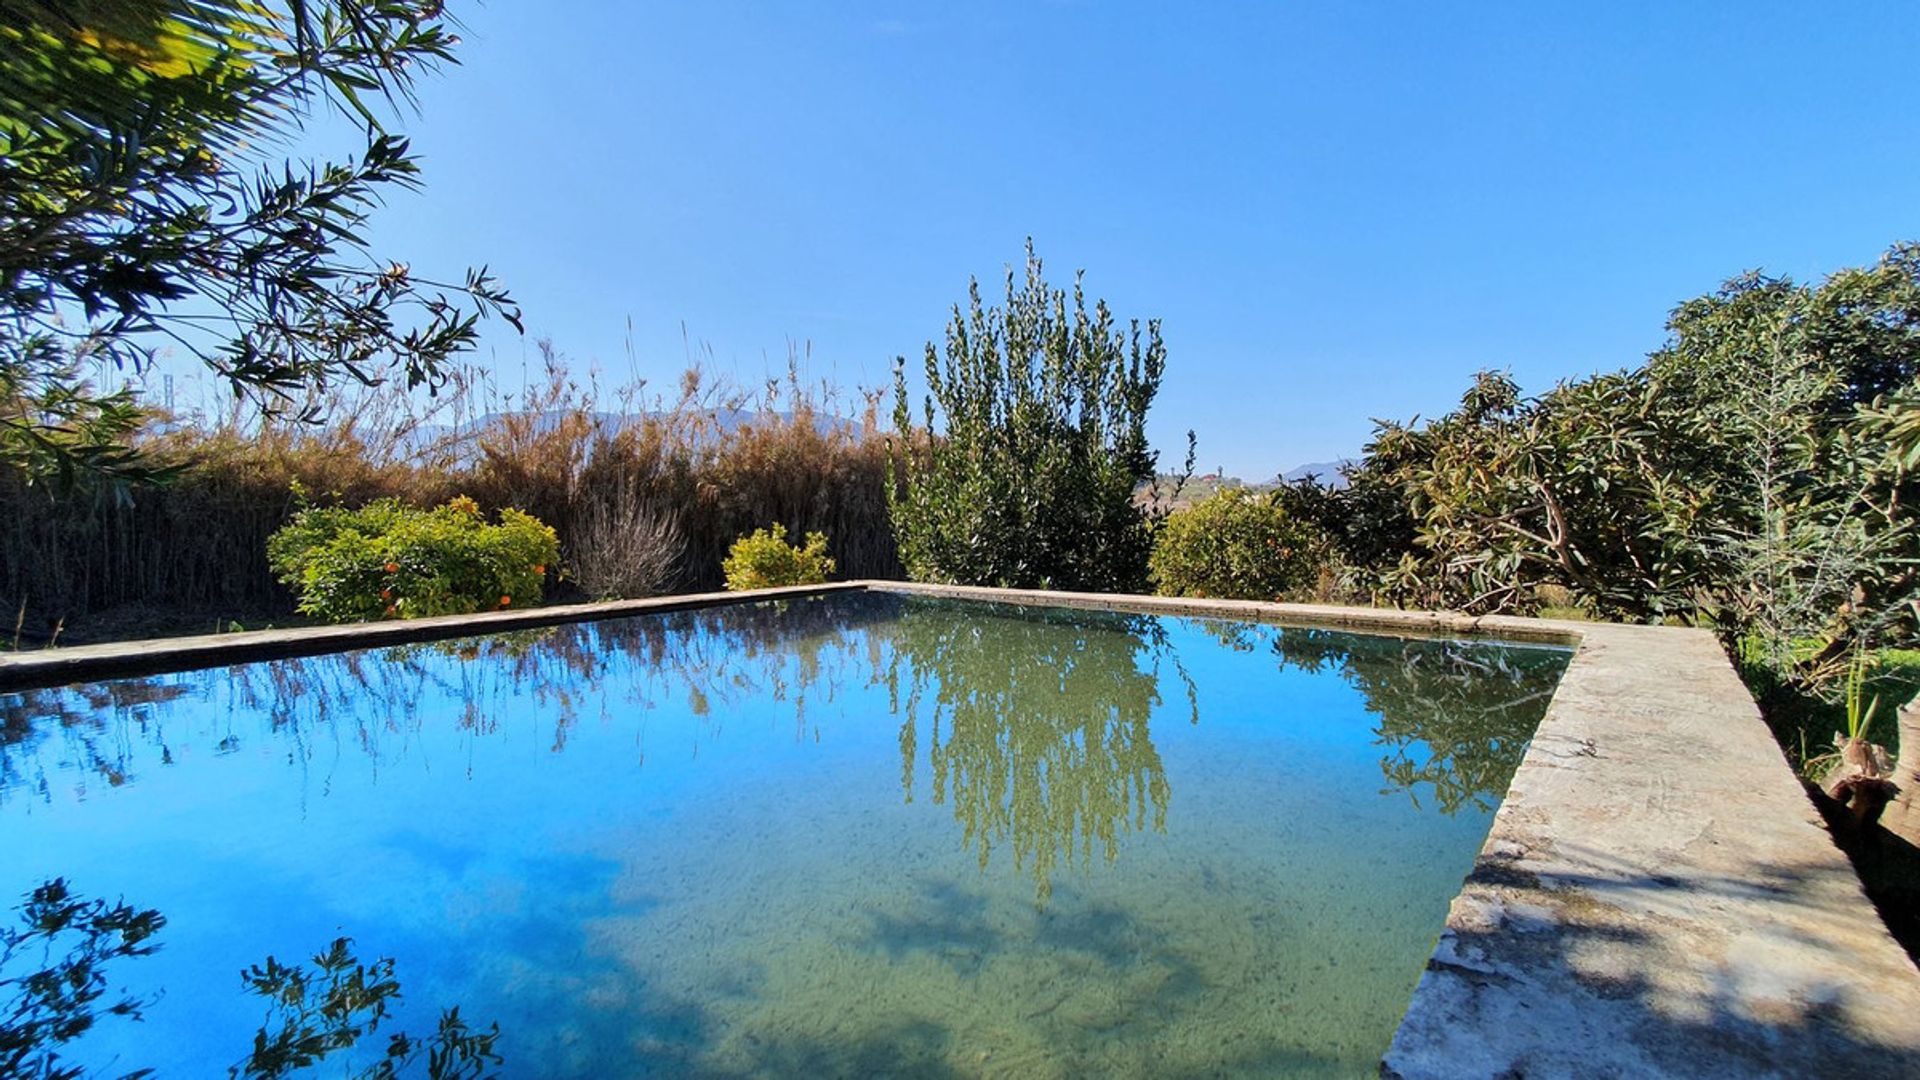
<point>856,835</point>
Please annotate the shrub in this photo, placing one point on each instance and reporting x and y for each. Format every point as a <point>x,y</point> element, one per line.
<point>387,560</point>
<point>1236,545</point>
<point>1032,441</point>
<point>624,545</point>
<point>765,560</point>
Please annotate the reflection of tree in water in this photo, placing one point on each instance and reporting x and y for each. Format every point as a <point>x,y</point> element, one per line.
<point>55,988</point>
<point>83,717</point>
<point>718,660</point>
<point>1454,715</point>
<point>1037,727</point>
<point>711,659</point>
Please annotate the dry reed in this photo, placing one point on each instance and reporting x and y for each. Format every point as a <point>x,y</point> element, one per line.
<point>645,494</point>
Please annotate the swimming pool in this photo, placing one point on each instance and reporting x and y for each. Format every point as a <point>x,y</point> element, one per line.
<point>852,834</point>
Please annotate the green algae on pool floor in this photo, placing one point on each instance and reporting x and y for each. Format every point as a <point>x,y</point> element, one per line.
<point>861,834</point>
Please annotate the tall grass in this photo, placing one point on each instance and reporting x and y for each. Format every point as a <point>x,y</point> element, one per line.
<point>646,492</point>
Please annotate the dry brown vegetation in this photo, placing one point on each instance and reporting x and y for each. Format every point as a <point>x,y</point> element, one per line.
<point>646,492</point>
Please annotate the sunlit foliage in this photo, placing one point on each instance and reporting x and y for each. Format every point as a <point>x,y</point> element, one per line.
<point>142,204</point>
<point>1752,476</point>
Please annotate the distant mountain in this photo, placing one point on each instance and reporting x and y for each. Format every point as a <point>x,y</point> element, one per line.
<point>1161,491</point>
<point>718,423</point>
<point>1327,472</point>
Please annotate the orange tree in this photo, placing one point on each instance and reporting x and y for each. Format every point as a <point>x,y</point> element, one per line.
<point>386,560</point>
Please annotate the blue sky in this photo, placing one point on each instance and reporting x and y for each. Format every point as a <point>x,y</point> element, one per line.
<point>1339,211</point>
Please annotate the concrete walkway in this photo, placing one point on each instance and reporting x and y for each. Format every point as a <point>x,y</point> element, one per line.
<point>1659,898</point>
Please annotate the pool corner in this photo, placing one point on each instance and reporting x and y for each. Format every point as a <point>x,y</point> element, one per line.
<point>1658,897</point>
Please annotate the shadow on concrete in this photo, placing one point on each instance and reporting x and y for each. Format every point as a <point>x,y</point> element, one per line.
<point>1580,965</point>
<point>1889,868</point>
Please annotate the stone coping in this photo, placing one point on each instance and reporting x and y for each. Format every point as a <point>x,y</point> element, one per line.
<point>1656,897</point>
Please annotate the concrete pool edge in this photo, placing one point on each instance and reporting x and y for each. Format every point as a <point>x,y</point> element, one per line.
<point>42,668</point>
<point>1656,895</point>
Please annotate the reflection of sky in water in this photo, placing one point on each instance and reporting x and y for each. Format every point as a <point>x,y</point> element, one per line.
<point>841,835</point>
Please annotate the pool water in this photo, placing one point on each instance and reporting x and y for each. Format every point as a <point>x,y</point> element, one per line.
<point>860,834</point>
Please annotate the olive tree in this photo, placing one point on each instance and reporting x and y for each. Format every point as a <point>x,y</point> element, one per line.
<point>142,205</point>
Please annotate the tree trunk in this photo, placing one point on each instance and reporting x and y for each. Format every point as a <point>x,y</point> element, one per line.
<point>1887,852</point>
<point>1902,815</point>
